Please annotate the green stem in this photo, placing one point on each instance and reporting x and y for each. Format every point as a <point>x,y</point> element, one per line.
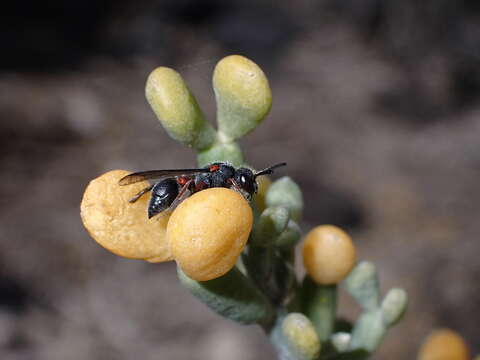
<point>221,151</point>
<point>319,303</point>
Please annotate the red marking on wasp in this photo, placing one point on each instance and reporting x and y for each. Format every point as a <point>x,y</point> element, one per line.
<point>200,186</point>
<point>182,180</point>
<point>214,168</point>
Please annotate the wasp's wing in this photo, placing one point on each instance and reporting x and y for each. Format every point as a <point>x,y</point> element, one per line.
<point>153,174</point>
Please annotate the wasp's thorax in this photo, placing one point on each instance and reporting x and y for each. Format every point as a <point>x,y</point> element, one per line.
<point>225,175</point>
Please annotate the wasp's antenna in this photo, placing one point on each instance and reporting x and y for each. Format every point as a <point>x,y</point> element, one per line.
<point>269,170</point>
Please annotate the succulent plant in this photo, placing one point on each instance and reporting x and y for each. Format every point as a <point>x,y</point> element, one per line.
<point>238,257</point>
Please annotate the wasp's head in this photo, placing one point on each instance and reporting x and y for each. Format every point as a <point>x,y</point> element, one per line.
<point>246,179</point>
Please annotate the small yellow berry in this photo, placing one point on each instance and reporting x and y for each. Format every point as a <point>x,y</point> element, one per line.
<point>443,344</point>
<point>208,231</point>
<point>328,254</point>
<point>120,226</point>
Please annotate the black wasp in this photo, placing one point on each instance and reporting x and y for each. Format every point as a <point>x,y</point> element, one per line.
<point>178,183</point>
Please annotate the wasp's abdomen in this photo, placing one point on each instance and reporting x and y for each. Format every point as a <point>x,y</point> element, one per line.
<point>163,195</point>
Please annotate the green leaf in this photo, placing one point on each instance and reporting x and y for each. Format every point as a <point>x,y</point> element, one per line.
<point>271,223</point>
<point>341,341</point>
<point>362,284</point>
<point>285,192</point>
<point>232,296</point>
<point>243,96</point>
<point>368,331</point>
<point>269,271</point>
<point>394,306</point>
<point>295,338</point>
<point>177,109</point>
<point>290,236</point>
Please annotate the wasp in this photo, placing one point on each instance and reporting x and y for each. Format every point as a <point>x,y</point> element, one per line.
<point>175,185</point>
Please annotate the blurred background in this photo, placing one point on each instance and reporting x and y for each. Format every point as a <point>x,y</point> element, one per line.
<point>376,110</point>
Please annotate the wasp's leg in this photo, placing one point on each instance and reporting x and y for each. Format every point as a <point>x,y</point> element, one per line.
<point>140,193</point>
<point>235,185</point>
<point>239,189</point>
<point>185,188</point>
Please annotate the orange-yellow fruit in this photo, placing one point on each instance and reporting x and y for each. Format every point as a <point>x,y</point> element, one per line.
<point>328,254</point>
<point>208,231</point>
<point>120,226</point>
<point>443,344</point>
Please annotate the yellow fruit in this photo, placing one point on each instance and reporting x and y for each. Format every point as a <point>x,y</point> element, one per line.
<point>208,231</point>
<point>328,254</point>
<point>120,226</point>
<point>443,344</point>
